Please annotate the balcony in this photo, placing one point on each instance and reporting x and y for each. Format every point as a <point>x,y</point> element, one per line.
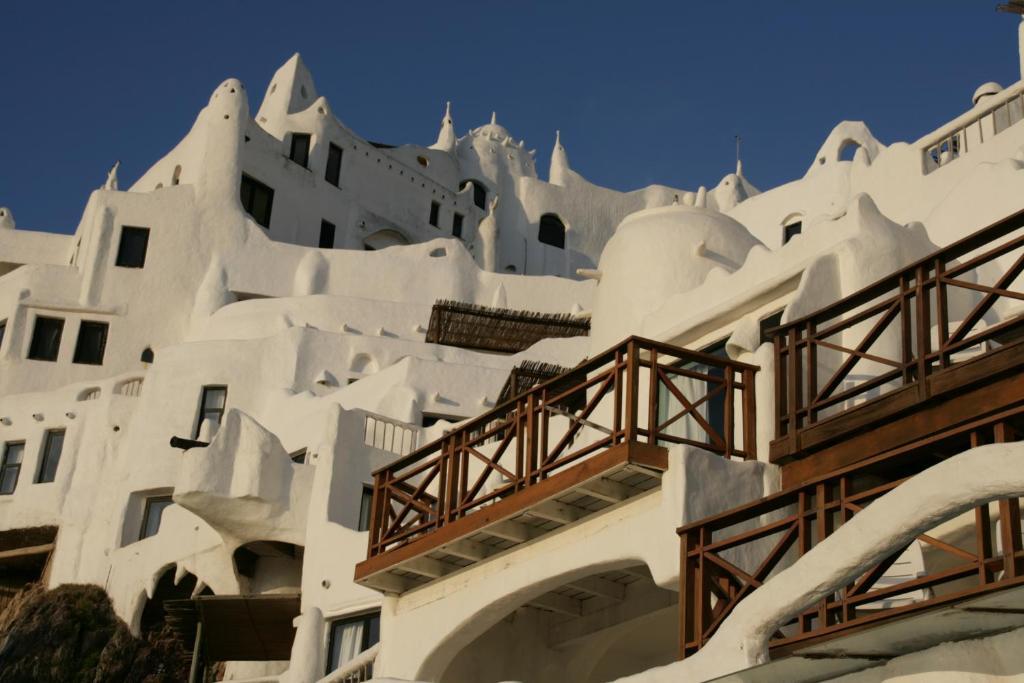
<point>870,391</point>
<point>924,349</point>
<point>563,450</point>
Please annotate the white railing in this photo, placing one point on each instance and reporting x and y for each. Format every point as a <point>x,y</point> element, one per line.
<point>90,394</point>
<point>129,387</point>
<point>389,435</point>
<point>356,670</point>
<point>963,133</point>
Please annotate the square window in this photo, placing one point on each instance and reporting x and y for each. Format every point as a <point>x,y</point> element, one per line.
<point>351,636</point>
<point>333,173</point>
<point>131,250</point>
<point>299,152</point>
<point>153,514</point>
<point>435,210</point>
<point>211,409</point>
<point>326,235</point>
<point>457,225</point>
<point>53,445</point>
<point>45,343</point>
<point>257,200</point>
<point>365,507</point>
<point>92,342</point>
<point>10,467</point>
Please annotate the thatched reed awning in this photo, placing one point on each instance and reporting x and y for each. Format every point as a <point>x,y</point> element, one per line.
<point>470,326</point>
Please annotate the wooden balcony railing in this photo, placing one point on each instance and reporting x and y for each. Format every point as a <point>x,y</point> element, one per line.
<point>880,352</point>
<point>640,392</point>
<point>726,557</point>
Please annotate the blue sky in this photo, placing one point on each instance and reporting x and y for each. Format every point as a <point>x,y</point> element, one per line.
<point>643,92</point>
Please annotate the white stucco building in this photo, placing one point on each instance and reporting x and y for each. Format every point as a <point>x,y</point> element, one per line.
<point>732,376</point>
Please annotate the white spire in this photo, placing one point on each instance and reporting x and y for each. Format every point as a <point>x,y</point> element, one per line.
<point>559,170</point>
<point>494,118</point>
<point>446,137</point>
<point>111,183</point>
<point>290,90</point>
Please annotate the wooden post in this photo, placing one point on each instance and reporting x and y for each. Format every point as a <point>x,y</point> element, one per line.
<point>749,415</point>
<point>652,399</point>
<point>197,669</point>
<point>632,390</point>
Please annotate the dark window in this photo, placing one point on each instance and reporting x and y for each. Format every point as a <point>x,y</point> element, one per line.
<point>479,192</point>
<point>299,152</point>
<point>147,355</point>
<point>766,324</point>
<point>46,338</point>
<point>435,209</point>
<point>552,231</point>
<point>351,636</point>
<point>52,447</point>
<point>365,505</point>
<point>92,341</point>
<point>211,409</point>
<point>131,250</point>
<point>3,332</point>
<point>792,230</point>
<point>716,405</point>
<point>299,456</point>
<point>333,174</point>
<point>152,515</point>
<point>257,200</point>
<point>457,225</point>
<point>10,468</point>
<point>326,235</point>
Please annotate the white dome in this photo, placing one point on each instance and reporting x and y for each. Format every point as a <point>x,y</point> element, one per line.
<point>657,253</point>
<point>986,90</point>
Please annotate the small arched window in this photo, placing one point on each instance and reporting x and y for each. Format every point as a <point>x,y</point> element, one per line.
<point>552,231</point>
<point>147,355</point>
<point>479,192</point>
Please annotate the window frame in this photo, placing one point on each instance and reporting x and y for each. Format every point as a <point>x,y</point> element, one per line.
<point>334,168</point>
<point>129,232</point>
<point>5,466</point>
<point>76,357</point>
<point>203,410</point>
<point>33,351</point>
<point>365,508</point>
<point>147,505</point>
<point>367,619</point>
<point>435,213</point>
<point>256,185</point>
<point>300,142</point>
<point>331,229</point>
<point>45,456</point>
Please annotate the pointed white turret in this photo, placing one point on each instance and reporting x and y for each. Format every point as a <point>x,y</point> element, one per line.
<point>559,171</point>
<point>446,137</point>
<point>290,90</point>
<point>494,118</point>
<point>111,183</point>
<point>6,219</point>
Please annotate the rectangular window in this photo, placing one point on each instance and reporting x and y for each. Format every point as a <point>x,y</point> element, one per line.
<point>365,505</point>
<point>92,342</point>
<point>299,152</point>
<point>3,332</point>
<point>131,250</point>
<point>769,323</point>
<point>10,468</point>
<point>45,343</point>
<point>53,444</point>
<point>351,636</point>
<point>792,230</point>
<point>333,174</point>
<point>211,410</point>
<point>152,515</point>
<point>326,235</point>
<point>435,210</point>
<point>457,225</point>
<point>712,410</point>
<point>257,200</point>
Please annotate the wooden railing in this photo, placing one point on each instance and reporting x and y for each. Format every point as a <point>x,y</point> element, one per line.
<point>639,391</point>
<point>963,301</point>
<point>727,556</point>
